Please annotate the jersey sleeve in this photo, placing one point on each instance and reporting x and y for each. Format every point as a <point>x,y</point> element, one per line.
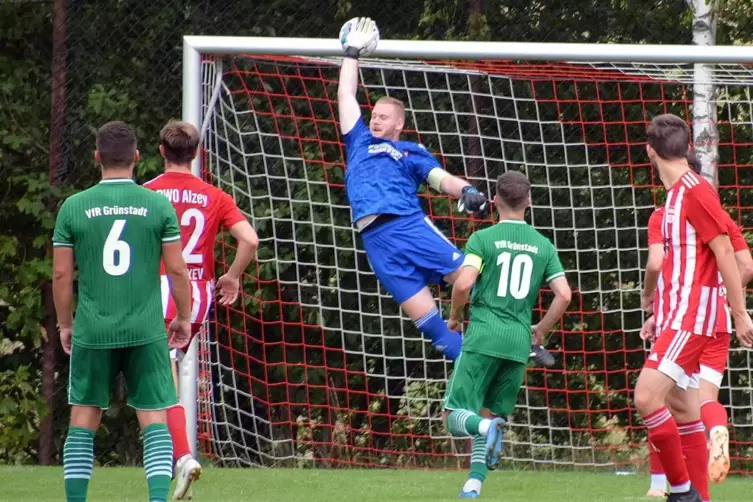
<point>474,253</point>
<point>736,236</point>
<point>230,212</point>
<point>554,266</point>
<point>170,228</point>
<point>357,137</point>
<point>654,228</point>
<point>705,213</point>
<point>421,162</point>
<point>62,237</point>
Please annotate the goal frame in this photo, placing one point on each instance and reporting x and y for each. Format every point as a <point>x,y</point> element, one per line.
<point>194,47</point>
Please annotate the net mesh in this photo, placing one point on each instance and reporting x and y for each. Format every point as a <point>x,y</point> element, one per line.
<point>316,366</point>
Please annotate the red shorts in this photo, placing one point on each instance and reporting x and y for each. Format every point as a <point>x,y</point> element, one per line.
<point>202,295</point>
<point>713,360</point>
<point>677,354</point>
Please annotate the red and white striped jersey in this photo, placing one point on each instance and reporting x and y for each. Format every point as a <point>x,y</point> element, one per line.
<point>724,320</point>
<point>688,288</point>
<point>724,323</point>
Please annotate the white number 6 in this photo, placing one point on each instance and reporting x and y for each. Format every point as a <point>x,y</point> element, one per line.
<point>114,245</point>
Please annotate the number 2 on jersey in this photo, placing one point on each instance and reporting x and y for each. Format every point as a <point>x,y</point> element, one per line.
<point>196,216</point>
<point>515,276</point>
<point>113,246</point>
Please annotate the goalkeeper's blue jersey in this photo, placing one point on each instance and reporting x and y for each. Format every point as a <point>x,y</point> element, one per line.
<point>383,176</point>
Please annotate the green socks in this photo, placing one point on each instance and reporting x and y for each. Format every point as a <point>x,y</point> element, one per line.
<point>464,423</point>
<point>158,461</point>
<point>78,462</point>
<point>478,459</point>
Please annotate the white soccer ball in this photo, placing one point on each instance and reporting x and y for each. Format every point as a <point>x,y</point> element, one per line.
<point>365,51</point>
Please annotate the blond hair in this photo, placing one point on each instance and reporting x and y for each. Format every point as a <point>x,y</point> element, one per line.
<point>394,102</point>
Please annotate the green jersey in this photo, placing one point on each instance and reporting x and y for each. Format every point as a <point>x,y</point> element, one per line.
<point>513,259</point>
<point>116,230</point>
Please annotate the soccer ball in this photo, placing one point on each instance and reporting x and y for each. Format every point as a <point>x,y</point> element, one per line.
<point>344,37</point>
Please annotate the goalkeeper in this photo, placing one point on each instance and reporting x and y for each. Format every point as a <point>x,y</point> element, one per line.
<point>405,250</point>
<point>507,263</point>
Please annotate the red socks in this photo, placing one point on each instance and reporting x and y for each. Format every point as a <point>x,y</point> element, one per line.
<point>176,423</point>
<point>696,452</point>
<point>664,435</point>
<point>654,460</point>
<point>713,414</point>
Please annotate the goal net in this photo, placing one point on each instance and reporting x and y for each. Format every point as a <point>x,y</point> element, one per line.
<point>316,366</point>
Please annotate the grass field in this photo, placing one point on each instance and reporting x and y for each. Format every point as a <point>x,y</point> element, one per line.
<point>248,485</point>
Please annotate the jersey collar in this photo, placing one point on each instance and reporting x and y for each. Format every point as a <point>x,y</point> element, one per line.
<point>518,222</point>
<point>110,181</point>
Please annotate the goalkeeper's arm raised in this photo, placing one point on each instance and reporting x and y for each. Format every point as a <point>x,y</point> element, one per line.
<point>360,36</point>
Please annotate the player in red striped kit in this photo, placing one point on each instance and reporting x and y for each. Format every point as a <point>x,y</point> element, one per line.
<point>713,360</point>
<point>698,249</point>
<point>201,209</point>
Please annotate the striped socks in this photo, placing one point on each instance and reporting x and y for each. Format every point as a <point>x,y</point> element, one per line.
<point>78,462</point>
<point>158,461</point>
<point>466,423</point>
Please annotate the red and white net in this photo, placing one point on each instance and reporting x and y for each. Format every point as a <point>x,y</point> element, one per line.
<point>316,366</point>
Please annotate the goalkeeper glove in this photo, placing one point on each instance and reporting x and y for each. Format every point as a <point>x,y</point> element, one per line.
<point>471,200</point>
<point>360,36</point>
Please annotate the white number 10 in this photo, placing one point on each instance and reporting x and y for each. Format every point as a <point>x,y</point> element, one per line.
<point>515,275</point>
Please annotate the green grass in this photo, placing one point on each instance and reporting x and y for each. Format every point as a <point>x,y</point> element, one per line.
<point>250,485</point>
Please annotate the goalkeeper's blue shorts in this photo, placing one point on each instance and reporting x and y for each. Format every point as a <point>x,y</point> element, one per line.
<point>407,253</point>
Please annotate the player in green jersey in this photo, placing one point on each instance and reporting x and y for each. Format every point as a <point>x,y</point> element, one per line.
<point>507,263</point>
<point>116,233</point>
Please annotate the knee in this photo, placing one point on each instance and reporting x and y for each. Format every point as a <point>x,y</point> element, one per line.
<point>646,402</point>
<point>86,417</point>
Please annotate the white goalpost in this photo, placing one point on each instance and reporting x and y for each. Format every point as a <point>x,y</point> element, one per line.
<point>316,365</point>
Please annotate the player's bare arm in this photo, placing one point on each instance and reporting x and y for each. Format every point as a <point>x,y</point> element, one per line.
<point>361,35</point>
<point>180,289</point>
<point>461,290</point>
<point>722,249</point>
<point>562,296</point>
<point>653,268</point>
<point>745,265</point>
<point>248,242</point>
<point>62,292</point>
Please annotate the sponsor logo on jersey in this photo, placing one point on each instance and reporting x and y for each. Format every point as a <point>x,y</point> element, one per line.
<point>516,246</point>
<point>379,148</point>
<point>184,196</point>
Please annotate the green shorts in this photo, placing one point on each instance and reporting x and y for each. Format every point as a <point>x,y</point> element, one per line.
<point>146,368</point>
<point>481,381</point>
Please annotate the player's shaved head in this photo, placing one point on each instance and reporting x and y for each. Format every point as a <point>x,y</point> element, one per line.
<point>387,118</point>
<point>669,137</point>
<point>179,142</point>
<point>513,190</point>
<point>116,145</point>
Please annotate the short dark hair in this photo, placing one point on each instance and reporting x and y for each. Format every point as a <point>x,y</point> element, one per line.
<point>669,136</point>
<point>180,140</point>
<point>116,144</point>
<point>694,162</point>
<point>513,190</point>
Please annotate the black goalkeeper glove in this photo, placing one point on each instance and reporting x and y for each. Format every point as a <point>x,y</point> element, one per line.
<point>471,200</point>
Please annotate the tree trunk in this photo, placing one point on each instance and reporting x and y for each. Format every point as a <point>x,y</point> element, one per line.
<point>57,166</point>
<point>705,135</point>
